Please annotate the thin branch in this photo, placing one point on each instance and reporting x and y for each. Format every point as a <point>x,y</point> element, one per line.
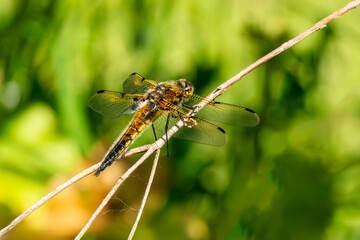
<point>218,91</point>
<point>224,86</point>
<point>113,190</point>
<point>148,187</point>
<point>319,25</point>
<point>60,188</point>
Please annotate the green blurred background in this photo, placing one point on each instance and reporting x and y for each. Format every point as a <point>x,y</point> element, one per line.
<point>294,176</point>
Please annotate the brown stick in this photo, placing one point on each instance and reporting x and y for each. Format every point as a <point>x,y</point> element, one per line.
<point>113,190</point>
<point>60,188</point>
<point>147,191</point>
<point>319,25</point>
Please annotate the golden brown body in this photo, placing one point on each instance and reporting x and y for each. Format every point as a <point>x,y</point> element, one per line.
<point>163,104</point>
<point>163,97</point>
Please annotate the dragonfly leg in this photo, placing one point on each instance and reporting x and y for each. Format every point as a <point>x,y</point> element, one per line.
<point>193,108</point>
<point>153,128</point>
<point>189,122</point>
<point>188,106</point>
<point>166,135</point>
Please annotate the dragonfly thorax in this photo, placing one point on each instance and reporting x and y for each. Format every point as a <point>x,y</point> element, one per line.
<point>173,93</point>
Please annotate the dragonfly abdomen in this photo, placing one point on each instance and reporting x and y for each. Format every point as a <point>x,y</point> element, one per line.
<point>136,127</point>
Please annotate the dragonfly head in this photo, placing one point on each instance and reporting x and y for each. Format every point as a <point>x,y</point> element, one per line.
<point>186,87</point>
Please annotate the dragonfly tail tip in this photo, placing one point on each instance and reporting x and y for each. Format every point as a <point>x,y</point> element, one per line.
<point>98,171</point>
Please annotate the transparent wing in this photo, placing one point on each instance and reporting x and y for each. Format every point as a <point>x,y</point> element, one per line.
<point>226,113</point>
<point>201,132</point>
<point>136,83</point>
<point>112,104</point>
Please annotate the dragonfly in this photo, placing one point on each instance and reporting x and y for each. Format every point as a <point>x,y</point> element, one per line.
<point>162,105</point>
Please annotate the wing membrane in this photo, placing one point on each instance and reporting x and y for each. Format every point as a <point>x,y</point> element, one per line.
<point>226,113</point>
<point>112,104</point>
<point>136,83</point>
<point>203,132</point>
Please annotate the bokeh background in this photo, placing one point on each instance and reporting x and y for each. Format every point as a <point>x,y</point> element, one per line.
<point>294,176</point>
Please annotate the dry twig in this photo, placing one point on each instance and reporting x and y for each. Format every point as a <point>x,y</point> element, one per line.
<point>159,143</point>
<point>147,191</point>
<point>60,188</point>
<point>114,188</point>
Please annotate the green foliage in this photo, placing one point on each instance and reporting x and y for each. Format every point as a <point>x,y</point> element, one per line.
<point>294,176</point>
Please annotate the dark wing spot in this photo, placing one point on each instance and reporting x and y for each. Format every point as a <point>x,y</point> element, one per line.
<point>249,110</point>
<point>222,130</point>
<point>100,91</point>
<point>142,78</point>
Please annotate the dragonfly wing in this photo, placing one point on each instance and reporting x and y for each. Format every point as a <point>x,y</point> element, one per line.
<point>136,83</point>
<point>227,113</point>
<point>112,104</point>
<point>200,132</point>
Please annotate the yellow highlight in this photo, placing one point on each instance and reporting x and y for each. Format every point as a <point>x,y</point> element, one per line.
<point>141,127</point>
<point>127,143</point>
<point>134,135</point>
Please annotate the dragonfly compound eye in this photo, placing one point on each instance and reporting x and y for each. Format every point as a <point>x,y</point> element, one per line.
<point>186,86</point>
